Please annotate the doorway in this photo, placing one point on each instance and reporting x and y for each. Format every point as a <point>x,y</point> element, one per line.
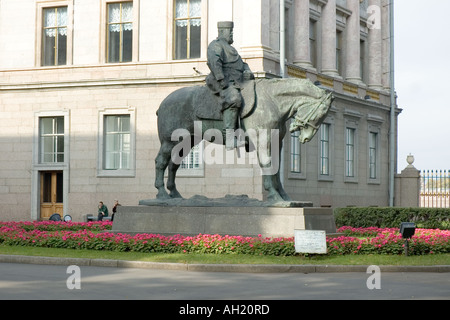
<point>52,191</point>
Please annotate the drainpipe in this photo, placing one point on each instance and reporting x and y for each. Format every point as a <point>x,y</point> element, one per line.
<point>282,72</point>
<point>393,124</point>
<point>282,40</point>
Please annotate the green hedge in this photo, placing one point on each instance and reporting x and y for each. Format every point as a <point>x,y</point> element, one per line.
<point>428,218</point>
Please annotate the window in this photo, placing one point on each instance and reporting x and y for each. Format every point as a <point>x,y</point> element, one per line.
<point>339,52</point>
<point>192,165</point>
<point>373,154</point>
<point>350,153</point>
<point>296,160</point>
<point>117,145</point>
<point>54,36</point>
<point>287,29</point>
<point>313,42</point>
<point>325,149</point>
<point>362,60</point>
<point>187,29</point>
<point>351,147</point>
<point>117,142</point>
<point>120,32</point>
<point>193,159</point>
<point>51,136</point>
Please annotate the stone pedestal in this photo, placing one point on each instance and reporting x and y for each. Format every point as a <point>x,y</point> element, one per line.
<point>225,219</point>
<point>407,186</point>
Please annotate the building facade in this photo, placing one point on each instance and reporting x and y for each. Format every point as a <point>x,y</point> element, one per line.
<point>80,83</point>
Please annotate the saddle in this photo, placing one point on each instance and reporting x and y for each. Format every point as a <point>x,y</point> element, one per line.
<point>207,105</point>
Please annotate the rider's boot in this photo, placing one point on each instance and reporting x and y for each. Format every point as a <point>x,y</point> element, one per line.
<point>230,120</point>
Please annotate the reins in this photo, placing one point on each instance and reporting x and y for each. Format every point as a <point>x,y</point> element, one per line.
<point>306,121</point>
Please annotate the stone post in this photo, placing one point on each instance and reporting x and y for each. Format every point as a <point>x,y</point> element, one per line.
<point>407,186</point>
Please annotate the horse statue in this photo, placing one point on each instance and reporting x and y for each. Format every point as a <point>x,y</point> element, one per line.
<point>268,105</point>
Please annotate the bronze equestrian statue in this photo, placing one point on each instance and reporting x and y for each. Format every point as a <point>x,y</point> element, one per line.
<point>232,99</point>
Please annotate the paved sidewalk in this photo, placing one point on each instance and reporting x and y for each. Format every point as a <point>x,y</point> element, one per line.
<point>241,268</point>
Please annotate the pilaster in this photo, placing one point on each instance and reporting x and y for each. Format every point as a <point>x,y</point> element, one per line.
<point>301,34</point>
<point>375,45</point>
<point>353,49</point>
<point>329,39</point>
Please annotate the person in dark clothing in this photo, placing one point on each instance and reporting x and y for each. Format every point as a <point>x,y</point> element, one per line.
<point>102,211</point>
<point>114,209</point>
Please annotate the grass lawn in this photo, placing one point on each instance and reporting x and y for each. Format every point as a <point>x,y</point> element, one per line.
<point>427,260</point>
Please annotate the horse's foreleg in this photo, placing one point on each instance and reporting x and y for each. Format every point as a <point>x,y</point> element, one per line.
<point>269,163</point>
<point>171,180</point>
<point>273,185</point>
<point>161,163</point>
<point>270,186</point>
<point>281,190</point>
<point>279,185</point>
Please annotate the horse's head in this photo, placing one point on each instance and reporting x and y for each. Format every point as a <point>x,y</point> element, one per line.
<point>310,117</point>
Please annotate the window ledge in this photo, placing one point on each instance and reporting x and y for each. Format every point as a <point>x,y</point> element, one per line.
<point>116,174</point>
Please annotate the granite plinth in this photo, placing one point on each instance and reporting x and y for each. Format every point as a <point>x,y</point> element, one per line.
<point>244,220</point>
<point>227,201</point>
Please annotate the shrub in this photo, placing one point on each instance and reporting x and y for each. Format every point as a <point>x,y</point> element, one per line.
<point>427,218</point>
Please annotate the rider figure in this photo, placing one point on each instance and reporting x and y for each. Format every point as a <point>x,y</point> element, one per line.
<point>228,72</point>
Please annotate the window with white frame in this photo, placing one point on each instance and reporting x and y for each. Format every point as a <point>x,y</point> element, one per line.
<point>350,147</point>
<point>187,29</point>
<point>116,143</point>
<point>193,159</point>
<point>373,155</point>
<point>192,165</point>
<point>324,143</point>
<point>51,140</point>
<point>296,156</point>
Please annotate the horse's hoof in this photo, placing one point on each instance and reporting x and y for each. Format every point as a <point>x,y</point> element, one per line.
<point>175,195</point>
<point>274,198</point>
<point>163,196</point>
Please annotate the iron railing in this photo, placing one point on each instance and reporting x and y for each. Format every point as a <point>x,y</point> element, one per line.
<point>435,189</point>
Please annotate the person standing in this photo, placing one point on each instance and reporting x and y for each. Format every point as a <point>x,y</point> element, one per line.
<point>114,209</point>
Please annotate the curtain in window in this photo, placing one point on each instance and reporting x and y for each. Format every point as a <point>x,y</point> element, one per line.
<point>120,32</point>
<point>55,20</point>
<point>117,151</point>
<point>120,14</point>
<point>195,11</point>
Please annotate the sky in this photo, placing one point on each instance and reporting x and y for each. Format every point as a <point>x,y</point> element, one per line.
<point>422,82</point>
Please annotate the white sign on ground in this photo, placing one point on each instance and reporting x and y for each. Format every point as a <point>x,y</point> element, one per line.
<point>310,241</point>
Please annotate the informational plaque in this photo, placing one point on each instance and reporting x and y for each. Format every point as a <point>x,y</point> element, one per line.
<point>310,241</point>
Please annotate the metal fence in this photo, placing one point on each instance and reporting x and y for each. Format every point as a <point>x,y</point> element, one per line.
<point>435,189</point>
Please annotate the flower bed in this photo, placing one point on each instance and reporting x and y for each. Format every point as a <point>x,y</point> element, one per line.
<point>75,235</point>
<point>388,241</point>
